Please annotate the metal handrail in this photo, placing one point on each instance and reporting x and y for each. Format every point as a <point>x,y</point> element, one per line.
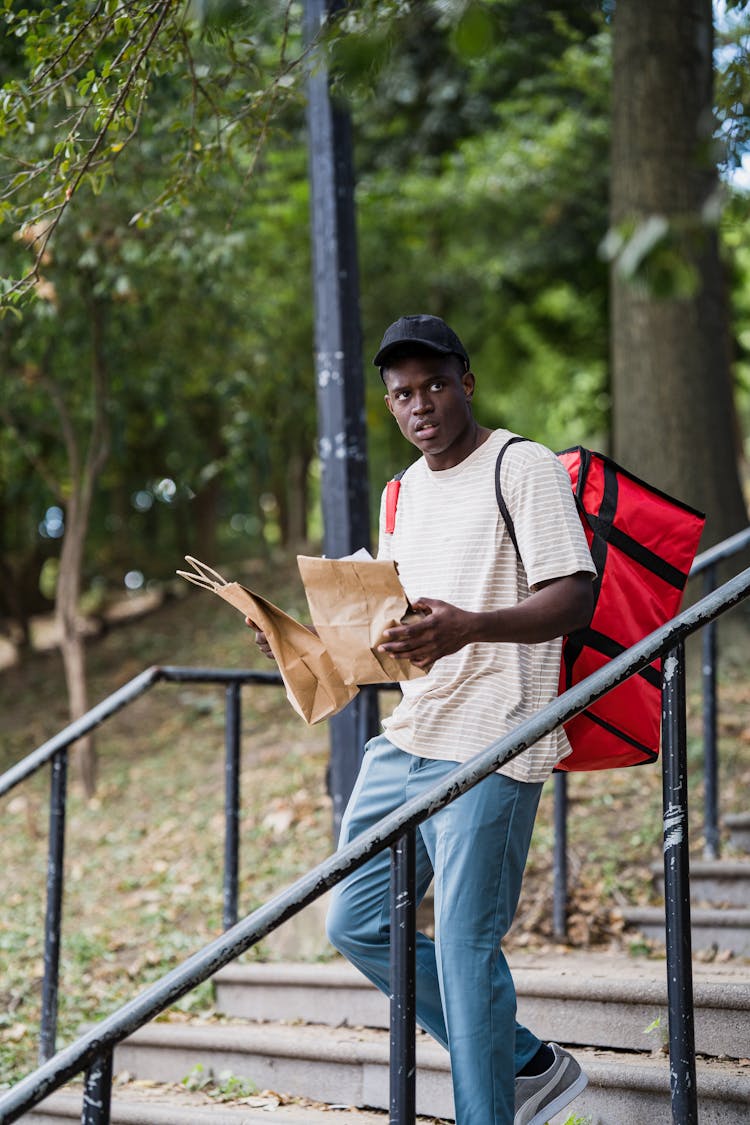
<point>707,564</point>
<point>54,753</point>
<point>115,702</point>
<point>93,1051</point>
<point>720,552</point>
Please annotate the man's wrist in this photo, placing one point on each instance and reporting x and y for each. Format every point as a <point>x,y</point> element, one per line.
<point>487,626</point>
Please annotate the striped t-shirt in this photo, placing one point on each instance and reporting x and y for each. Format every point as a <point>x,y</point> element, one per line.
<point>450,542</point>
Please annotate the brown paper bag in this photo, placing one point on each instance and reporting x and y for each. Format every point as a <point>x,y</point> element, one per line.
<point>314,687</point>
<point>352,602</point>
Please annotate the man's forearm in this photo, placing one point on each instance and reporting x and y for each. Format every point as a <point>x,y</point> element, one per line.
<point>559,607</point>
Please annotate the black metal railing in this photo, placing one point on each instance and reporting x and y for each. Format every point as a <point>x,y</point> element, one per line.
<point>93,1052</point>
<point>55,753</point>
<point>706,564</point>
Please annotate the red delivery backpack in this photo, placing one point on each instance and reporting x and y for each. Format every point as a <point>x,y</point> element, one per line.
<point>643,543</point>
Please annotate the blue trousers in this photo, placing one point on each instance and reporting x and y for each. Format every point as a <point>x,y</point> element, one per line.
<point>476,850</point>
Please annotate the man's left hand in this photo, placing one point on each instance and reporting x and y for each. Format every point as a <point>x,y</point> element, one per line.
<point>439,629</point>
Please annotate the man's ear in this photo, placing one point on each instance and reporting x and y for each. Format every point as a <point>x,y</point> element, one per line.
<point>388,403</point>
<point>468,382</point>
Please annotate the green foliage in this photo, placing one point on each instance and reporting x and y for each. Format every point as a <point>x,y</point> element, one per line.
<point>153,165</point>
<point>500,236</point>
<point>89,83</point>
<point>736,239</point>
<point>225,1086</point>
<point>733,79</point>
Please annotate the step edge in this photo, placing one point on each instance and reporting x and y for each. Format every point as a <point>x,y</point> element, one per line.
<point>712,868</point>
<point>541,984</point>
<point>310,1044</point>
<point>700,915</point>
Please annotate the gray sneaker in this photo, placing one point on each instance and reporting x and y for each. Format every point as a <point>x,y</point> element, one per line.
<point>544,1095</point>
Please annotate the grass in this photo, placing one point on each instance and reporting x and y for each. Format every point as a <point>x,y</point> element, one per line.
<point>144,857</point>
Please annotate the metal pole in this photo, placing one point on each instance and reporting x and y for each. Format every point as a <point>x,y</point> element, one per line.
<point>338,367</point>
<point>560,859</point>
<point>97,1091</point>
<point>53,916</point>
<point>403,1062</point>
<point>712,844</point>
<point>232,737</point>
<point>677,891</point>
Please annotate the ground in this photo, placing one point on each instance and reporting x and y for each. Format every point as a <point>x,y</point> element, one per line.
<point>144,856</point>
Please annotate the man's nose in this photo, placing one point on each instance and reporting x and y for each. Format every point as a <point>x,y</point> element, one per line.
<point>422,404</point>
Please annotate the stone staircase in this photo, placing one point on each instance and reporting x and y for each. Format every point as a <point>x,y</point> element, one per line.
<point>318,1030</point>
<point>720,899</point>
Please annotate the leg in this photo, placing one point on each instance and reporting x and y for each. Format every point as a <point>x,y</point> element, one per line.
<point>358,922</point>
<point>478,846</point>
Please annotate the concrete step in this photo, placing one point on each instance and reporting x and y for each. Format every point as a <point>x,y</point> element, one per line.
<point>739,830</point>
<point>169,1105</point>
<point>594,1000</point>
<point>334,1065</point>
<point>349,1065</point>
<point>718,882</point>
<point>713,929</point>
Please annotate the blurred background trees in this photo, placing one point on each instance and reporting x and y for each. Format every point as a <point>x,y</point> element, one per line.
<point>157,393</point>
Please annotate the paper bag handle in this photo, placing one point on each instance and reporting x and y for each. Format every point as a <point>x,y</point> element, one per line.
<point>204,576</point>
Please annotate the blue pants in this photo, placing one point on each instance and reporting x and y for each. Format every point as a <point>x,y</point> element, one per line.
<point>476,850</point>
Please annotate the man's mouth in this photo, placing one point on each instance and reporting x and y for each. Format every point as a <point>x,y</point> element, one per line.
<point>425,429</point>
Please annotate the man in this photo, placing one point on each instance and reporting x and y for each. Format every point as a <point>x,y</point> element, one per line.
<point>488,635</point>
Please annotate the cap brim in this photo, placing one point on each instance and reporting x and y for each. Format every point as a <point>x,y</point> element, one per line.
<point>382,356</point>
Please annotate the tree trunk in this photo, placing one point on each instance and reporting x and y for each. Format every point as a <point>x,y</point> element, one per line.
<point>83,475</point>
<point>673,418</point>
<point>67,597</point>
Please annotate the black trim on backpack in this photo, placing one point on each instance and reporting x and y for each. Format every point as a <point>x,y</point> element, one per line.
<point>608,647</point>
<point>650,755</point>
<point>602,524</point>
<point>585,455</point>
<point>640,554</point>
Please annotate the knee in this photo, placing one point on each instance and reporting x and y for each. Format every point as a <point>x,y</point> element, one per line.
<point>338,923</point>
<point>333,931</point>
<point>348,928</point>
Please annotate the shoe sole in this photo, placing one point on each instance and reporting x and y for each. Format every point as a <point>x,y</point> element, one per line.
<point>563,1099</point>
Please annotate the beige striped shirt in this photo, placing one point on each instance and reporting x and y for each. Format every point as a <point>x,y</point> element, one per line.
<point>451,543</point>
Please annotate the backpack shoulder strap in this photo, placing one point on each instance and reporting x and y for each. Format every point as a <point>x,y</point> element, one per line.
<point>391,502</point>
<point>499,492</point>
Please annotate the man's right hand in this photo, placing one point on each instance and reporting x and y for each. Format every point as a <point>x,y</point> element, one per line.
<point>260,639</point>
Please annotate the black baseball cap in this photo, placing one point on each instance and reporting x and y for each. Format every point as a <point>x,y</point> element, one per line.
<point>427,331</point>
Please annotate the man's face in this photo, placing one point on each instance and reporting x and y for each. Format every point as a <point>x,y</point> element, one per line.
<point>430,398</point>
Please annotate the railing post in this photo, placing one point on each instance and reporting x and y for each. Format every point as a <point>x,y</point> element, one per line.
<point>97,1091</point>
<point>403,1063</point>
<point>339,380</point>
<point>677,891</point>
<point>560,859</point>
<point>53,916</point>
<point>232,740</point>
<point>711,845</point>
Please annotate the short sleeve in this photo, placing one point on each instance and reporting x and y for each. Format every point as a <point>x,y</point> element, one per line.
<point>536,488</point>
